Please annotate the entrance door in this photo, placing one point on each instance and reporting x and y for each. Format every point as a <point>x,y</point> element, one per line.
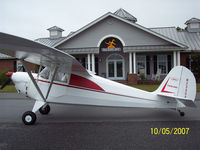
<point>115,67</point>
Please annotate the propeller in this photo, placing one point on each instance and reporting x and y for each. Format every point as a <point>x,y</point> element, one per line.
<point>9,74</point>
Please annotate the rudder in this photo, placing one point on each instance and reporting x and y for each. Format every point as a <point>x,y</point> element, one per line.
<point>180,83</point>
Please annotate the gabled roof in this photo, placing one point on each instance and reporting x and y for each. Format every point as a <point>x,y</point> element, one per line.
<point>124,20</point>
<point>55,28</point>
<point>192,20</point>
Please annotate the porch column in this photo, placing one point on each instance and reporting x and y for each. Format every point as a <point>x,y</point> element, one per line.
<point>88,59</point>
<point>134,62</point>
<point>174,56</point>
<point>178,58</point>
<point>130,63</point>
<point>93,63</point>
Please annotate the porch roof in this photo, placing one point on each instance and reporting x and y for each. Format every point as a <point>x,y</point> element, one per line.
<point>88,50</point>
<point>126,49</point>
<point>151,48</point>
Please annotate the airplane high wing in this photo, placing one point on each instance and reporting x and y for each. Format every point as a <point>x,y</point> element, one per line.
<point>39,54</point>
<point>65,81</point>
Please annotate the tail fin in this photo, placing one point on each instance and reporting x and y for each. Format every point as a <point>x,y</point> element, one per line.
<point>180,83</point>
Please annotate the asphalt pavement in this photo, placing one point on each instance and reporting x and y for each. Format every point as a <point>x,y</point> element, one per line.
<point>87,127</point>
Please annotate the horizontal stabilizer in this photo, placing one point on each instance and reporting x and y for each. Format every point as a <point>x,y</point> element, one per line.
<point>187,103</point>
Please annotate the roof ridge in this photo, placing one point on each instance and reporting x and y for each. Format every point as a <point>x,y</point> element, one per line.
<point>51,38</point>
<point>162,27</point>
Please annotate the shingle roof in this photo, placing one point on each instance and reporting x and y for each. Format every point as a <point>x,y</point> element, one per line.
<point>190,39</point>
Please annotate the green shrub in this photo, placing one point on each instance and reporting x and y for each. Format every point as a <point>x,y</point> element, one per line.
<point>3,77</point>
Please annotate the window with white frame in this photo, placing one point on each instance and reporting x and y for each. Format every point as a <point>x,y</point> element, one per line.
<point>19,66</point>
<point>115,67</point>
<point>162,63</point>
<point>141,64</point>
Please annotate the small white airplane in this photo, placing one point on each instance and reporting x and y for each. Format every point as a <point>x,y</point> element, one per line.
<point>65,81</point>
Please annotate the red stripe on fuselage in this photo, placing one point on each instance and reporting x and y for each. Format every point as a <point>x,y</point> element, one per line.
<point>78,81</point>
<point>84,82</point>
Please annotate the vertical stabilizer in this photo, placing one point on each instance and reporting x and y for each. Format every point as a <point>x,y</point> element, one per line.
<point>180,83</point>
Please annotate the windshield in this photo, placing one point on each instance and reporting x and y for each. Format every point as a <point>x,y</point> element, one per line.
<point>47,74</point>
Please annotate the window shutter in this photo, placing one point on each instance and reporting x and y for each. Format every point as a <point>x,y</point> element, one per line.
<point>169,62</point>
<point>155,64</point>
<point>83,62</point>
<point>148,64</point>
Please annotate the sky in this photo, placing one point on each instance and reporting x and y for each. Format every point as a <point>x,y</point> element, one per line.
<point>30,18</point>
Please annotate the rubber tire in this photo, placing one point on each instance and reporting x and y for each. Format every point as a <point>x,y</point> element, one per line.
<point>29,118</point>
<point>45,109</point>
<point>182,114</point>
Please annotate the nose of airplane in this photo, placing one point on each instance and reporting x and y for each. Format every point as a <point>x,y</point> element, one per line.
<point>9,74</point>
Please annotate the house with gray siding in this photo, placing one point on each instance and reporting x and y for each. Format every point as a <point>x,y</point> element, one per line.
<point>116,47</point>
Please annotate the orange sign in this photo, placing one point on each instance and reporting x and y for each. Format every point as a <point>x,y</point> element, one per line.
<point>111,44</point>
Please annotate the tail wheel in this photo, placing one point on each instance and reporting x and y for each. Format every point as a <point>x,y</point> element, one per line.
<point>29,118</point>
<point>45,109</point>
<point>182,114</point>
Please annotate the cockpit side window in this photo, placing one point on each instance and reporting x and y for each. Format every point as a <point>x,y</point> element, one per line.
<point>45,73</point>
<point>60,76</point>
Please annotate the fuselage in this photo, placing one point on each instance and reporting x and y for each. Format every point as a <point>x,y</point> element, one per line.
<point>90,90</point>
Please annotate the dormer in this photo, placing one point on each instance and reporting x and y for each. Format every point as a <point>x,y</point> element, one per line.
<point>125,15</point>
<point>55,32</point>
<point>193,25</point>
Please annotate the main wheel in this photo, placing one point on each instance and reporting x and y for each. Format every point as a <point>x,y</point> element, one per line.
<point>29,118</point>
<point>45,109</point>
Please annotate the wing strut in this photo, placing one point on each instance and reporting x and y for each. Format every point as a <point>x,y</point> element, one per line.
<point>33,80</point>
<point>53,77</point>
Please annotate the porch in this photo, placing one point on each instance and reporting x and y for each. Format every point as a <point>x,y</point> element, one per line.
<point>132,66</point>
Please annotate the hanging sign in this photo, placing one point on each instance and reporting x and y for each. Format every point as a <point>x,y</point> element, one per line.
<point>111,44</point>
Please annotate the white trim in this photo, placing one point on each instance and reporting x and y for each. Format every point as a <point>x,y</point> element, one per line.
<point>110,35</point>
<point>174,58</point>
<point>134,62</point>
<point>88,59</point>
<point>130,63</point>
<point>93,63</point>
<point>115,69</point>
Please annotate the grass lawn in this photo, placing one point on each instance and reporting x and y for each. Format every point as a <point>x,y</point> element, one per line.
<point>150,88</point>
<point>8,89</point>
